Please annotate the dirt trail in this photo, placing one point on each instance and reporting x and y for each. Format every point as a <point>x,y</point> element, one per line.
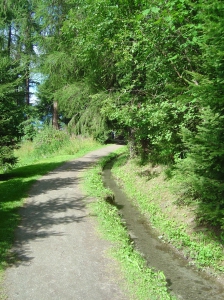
<point>60,255</point>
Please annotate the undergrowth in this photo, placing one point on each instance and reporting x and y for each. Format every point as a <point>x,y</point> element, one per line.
<point>143,282</point>
<point>50,142</point>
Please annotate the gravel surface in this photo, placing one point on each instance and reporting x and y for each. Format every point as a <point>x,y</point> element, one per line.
<point>60,255</point>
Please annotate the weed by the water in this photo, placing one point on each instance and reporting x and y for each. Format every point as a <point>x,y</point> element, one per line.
<point>202,249</point>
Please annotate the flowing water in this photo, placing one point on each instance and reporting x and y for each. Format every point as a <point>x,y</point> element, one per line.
<point>183,280</point>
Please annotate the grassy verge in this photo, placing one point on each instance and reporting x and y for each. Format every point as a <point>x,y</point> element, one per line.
<point>143,283</point>
<point>151,192</point>
<point>15,184</point>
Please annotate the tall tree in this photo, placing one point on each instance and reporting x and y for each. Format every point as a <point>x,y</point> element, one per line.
<point>11,114</point>
<point>203,168</point>
<point>55,63</point>
<point>16,54</point>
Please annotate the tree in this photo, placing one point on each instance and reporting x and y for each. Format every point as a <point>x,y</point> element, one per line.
<point>11,113</point>
<point>203,168</point>
<point>14,86</point>
<point>54,61</point>
<point>156,69</point>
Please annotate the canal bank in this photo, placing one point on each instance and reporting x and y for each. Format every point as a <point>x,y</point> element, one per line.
<point>183,281</point>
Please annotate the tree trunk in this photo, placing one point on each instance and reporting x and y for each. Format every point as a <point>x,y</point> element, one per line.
<point>28,52</point>
<point>27,92</point>
<point>55,115</point>
<point>9,40</point>
<point>144,149</point>
<point>132,142</point>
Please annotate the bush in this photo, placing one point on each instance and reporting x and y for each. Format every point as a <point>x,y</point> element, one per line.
<point>50,140</point>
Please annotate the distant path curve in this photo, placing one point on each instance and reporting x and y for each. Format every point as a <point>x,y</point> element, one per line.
<point>60,254</point>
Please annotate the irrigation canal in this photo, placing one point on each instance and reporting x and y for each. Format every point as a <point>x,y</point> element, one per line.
<point>183,281</point>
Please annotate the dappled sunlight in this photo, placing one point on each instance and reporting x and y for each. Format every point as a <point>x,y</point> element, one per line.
<point>14,187</point>
<point>44,220</point>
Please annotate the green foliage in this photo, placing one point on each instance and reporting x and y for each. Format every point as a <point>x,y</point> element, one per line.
<point>83,111</point>
<point>49,140</point>
<point>146,81</point>
<point>203,169</point>
<point>11,113</point>
<point>16,40</point>
<point>153,70</point>
<point>29,128</point>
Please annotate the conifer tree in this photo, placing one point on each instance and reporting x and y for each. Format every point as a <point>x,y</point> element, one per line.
<point>204,166</point>
<point>14,77</point>
<point>54,61</point>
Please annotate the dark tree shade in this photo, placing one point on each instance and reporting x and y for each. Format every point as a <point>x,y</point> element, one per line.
<point>11,113</point>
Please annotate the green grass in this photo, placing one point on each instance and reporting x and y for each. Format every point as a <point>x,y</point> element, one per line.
<point>15,184</point>
<point>143,283</point>
<point>202,249</point>
<point>31,152</point>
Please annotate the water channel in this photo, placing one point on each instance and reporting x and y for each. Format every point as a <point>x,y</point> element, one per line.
<point>183,281</point>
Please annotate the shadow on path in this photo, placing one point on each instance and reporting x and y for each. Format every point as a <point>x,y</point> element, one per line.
<point>56,253</point>
<point>54,201</point>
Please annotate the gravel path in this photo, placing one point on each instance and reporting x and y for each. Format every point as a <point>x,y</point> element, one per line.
<point>60,255</point>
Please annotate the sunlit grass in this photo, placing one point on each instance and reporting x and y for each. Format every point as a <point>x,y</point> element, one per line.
<point>203,249</point>
<point>28,153</point>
